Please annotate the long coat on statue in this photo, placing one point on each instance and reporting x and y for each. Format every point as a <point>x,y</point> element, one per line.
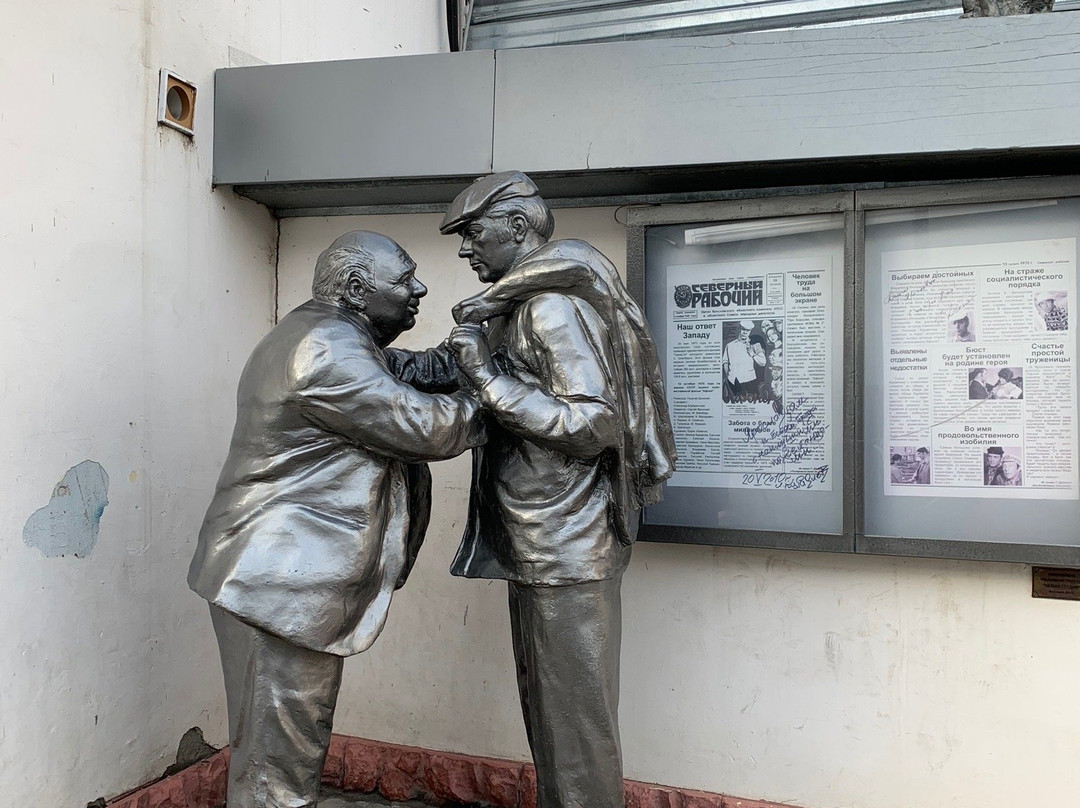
<point>583,438</point>
<point>324,499</point>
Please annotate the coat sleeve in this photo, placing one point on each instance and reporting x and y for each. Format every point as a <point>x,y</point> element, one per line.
<point>354,393</point>
<point>433,370</point>
<point>575,411</point>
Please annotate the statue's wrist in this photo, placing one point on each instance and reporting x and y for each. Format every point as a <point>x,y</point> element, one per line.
<point>484,374</point>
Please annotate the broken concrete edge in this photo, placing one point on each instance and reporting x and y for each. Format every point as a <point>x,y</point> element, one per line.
<point>191,749</point>
<point>401,773</point>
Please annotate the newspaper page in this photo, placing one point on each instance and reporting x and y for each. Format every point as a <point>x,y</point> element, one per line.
<point>749,373</point>
<point>980,379</point>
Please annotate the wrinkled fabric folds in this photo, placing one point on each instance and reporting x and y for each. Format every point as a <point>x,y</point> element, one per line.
<point>576,268</point>
<point>323,500</point>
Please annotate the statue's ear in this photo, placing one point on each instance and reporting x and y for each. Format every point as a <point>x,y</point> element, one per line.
<point>355,293</point>
<point>519,227</point>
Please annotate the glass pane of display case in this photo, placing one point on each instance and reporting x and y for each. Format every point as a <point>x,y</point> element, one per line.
<point>970,362</point>
<point>749,322</point>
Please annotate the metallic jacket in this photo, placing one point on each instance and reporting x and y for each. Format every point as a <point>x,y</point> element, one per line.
<point>323,500</point>
<point>581,438</point>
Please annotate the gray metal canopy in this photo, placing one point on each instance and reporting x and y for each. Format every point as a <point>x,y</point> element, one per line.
<point>655,119</point>
<point>531,23</point>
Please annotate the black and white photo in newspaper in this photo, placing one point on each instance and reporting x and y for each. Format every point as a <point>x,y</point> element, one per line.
<point>980,371</point>
<point>749,374</point>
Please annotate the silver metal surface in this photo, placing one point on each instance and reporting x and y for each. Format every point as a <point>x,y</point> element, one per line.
<point>458,21</point>
<point>738,210</point>
<point>531,23</point>
<point>913,101</point>
<point>321,506</point>
<point>853,234</point>
<point>1014,552</point>
<point>395,117</point>
<point>579,441</point>
<point>980,192</point>
<point>280,701</point>
<point>914,88</point>
<point>566,644</point>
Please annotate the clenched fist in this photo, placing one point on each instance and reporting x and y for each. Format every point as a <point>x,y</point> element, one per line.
<point>471,351</point>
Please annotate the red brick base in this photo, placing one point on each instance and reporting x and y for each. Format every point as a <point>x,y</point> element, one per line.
<point>201,785</point>
<point>411,773</point>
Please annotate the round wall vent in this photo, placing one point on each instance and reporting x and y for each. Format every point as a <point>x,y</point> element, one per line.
<point>176,102</point>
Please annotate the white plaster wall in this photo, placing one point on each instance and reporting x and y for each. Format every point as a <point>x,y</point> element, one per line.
<point>132,294</point>
<point>826,681</point>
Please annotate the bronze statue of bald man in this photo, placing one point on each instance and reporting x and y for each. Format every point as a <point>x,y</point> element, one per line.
<point>321,507</point>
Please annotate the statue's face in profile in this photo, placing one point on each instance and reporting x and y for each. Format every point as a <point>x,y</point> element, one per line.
<point>391,307</point>
<point>490,246</point>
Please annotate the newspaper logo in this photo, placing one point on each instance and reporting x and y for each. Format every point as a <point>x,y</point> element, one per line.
<point>719,295</point>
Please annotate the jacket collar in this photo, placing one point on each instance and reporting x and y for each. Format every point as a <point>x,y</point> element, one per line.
<point>358,320</point>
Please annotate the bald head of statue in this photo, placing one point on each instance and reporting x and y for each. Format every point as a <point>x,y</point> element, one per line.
<point>370,274</point>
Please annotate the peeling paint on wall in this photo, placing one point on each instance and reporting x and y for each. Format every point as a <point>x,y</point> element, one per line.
<point>68,525</point>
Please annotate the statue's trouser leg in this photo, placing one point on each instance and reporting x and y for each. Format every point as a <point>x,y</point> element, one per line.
<point>281,701</point>
<point>566,645</point>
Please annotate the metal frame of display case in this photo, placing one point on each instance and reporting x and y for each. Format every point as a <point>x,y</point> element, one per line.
<point>987,191</point>
<point>854,204</point>
<point>638,219</point>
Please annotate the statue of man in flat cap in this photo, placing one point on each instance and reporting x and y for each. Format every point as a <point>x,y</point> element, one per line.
<point>321,507</point>
<point>578,441</point>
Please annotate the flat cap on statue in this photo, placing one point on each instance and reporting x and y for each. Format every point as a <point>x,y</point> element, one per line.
<point>486,191</point>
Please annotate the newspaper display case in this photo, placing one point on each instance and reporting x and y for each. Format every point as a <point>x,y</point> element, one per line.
<point>969,373</point>
<point>746,303</point>
<point>881,371</point>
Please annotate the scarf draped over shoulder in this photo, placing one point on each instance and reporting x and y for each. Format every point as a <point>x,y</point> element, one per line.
<point>575,268</point>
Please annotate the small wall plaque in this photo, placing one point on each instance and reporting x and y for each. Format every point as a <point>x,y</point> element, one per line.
<point>1060,583</point>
